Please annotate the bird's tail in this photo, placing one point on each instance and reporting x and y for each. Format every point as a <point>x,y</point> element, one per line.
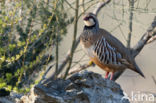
<point>137,69</point>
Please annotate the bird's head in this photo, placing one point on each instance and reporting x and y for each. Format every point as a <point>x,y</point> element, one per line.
<point>90,20</point>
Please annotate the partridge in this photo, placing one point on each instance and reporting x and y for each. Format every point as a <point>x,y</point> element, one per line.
<point>104,49</point>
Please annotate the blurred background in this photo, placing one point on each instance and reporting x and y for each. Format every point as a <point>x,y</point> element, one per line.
<point>36,35</point>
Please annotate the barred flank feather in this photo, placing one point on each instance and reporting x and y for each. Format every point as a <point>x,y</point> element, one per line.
<point>106,53</point>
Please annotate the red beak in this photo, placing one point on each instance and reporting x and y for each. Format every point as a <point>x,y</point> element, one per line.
<point>86,18</point>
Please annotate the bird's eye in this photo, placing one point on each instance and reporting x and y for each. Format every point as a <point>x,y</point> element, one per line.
<point>87,18</point>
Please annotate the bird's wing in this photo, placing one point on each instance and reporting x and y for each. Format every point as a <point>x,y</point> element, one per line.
<point>107,54</point>
<point>111,51</point>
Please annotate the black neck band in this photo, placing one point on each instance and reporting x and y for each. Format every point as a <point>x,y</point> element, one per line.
<point>89,27</point>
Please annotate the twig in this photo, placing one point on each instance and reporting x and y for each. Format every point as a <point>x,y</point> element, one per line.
<point>87,8</point>
<point>69,4</point>
<point>74,38</point>
<point>46,72</point>
<point>153,36</point>
<point>57,55</point>
<point>77,62</point>
<point>100,5</point>
<point>83,6</point>
<point>154,80</point>
<point>131,7</point>
<point>82,67</point>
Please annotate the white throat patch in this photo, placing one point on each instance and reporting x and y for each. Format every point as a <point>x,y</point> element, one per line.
<point>89,22</point>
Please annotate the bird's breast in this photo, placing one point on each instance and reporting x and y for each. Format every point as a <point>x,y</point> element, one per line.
<point>89,50</point>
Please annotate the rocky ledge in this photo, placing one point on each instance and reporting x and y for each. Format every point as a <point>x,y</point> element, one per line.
<point>83,87</point>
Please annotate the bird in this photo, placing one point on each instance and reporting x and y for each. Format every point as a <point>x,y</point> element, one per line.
<point>104,49</point>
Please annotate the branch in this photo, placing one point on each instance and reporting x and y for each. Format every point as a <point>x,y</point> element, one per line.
<point>131,7</point>
<point>100,5</point>
<point>57,54</point>
<point>83,6</point>
<point>147,38</point>
<point>69,4</point>
<point>82,67</point>
<point>74,39</point>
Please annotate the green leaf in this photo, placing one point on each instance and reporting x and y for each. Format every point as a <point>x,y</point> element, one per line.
<point>8,76</point>
<point>2,85</point>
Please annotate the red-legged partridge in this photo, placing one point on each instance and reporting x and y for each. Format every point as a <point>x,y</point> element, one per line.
<point>104,49</point>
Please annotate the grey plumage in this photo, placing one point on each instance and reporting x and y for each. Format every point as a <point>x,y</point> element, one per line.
<point>106,53</point>
<point>104,49</point>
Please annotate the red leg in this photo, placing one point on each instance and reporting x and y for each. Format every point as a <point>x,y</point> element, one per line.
<point>106,76</point>
<point>112,76</point>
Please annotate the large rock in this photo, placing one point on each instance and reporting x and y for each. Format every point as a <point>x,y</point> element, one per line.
<point>83,87</point>
<point>12,98</point>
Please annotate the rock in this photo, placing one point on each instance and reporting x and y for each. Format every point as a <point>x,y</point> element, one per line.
<point>12,98</point>
<point>83,87</point>
<point>4,92</point>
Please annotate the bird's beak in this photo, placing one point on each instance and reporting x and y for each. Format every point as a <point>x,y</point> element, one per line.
<point>86,18</point>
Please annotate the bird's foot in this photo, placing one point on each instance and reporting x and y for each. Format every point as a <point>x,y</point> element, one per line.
<point>111,78</point>
<point>106,76</point>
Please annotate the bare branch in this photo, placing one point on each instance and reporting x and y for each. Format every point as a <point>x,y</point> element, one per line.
<point>85,10</point>
<point>83,6</point>
<point>74,39</point>
<point>69,4</point>
<point>153,37</point>
<point>147,38</point>
<point>82,67</point>
<point>46,72</point>
<point>100,5</point>
<point>131,7</point>
<point>57,54</point>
